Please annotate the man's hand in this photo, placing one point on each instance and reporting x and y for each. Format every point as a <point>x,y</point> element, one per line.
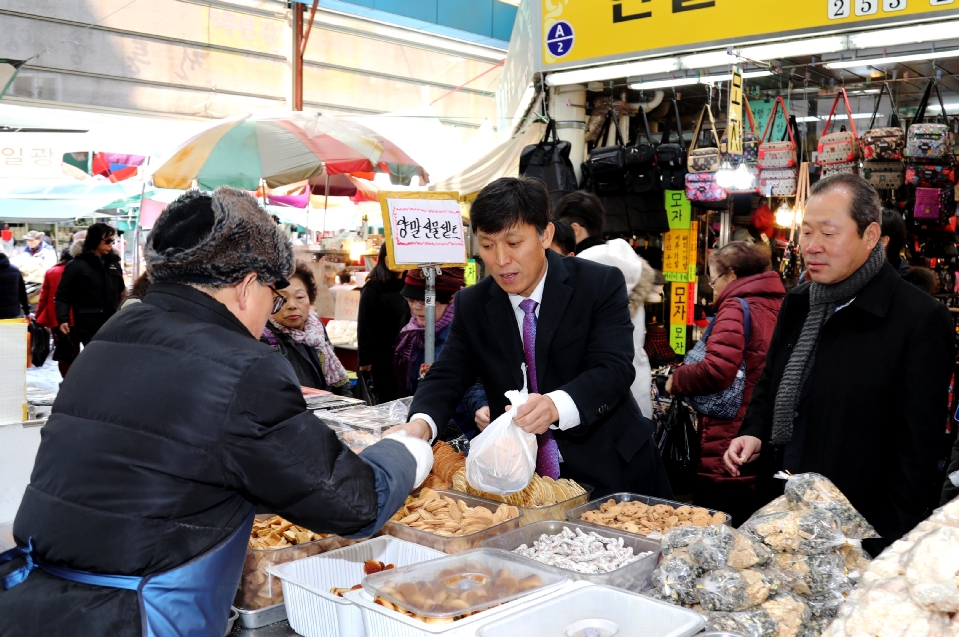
<point>418,428</point>
<point>64,328</point>
<point>741,450</point>
<point>669,385</point>
<point>536,414</point>
<point>481,417</point>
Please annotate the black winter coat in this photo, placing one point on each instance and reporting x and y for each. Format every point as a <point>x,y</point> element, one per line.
<point>201,423</point>
<point>92,290</point>
<point>382,314</point>
<point>13,291</point>
<point>877,399</point>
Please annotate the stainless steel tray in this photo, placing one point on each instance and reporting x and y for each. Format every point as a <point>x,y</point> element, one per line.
<point>262,616</point>
<point>234,613</point>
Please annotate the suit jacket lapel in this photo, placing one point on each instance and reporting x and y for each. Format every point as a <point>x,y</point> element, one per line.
<point>499,312</point>
<point>556,297</point>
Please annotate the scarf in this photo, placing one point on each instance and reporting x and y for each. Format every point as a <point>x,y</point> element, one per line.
<point>412,339</point>
<point>823,300</point>
<point>314,335</point>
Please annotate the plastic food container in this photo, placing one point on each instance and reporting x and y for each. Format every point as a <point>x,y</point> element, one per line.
<point>474,581</point>
<point>313,610</point>
<point>576,514</point>
<point>460,543</point>
<point>557,511</point>
<point>258,589</point>
<point>635,576</point>
<point>601,608</point>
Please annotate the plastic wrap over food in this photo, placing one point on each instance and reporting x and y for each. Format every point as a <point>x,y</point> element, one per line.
<point>782,504</point>
<point>819,492</point>
<point>855,559</point>
<point>813,574</point>
<point>810,532</point>
<point>733,589</point>
<point>784,615</point>
<point>675,579</point>
<point>932,567</point>
<point>886,609</point>
<point>887,565</point>
<point>722,546</point>
<point>681,537</point>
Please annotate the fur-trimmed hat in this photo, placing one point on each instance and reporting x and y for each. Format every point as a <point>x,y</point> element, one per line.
<point>216,241</point>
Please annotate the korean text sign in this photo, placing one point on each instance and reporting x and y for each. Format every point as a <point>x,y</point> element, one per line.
<point>423,228</point>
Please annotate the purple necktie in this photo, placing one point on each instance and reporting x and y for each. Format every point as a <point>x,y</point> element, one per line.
<point>547,457</point>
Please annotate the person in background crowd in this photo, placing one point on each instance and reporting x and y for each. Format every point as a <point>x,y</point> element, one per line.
<point>13,291</point>
<point>564,240</point>
<point>297,332</point>
<point>91,286</point>
<point>47,311</point>
<point>343,282</point>
<point>38,248</point>
<point>140,287</point>
<point>410,344</point>
<point>382,314</point>
<point>156,473</point>
<point>857,376</point>
<point>893,238</point>
<point>585,214</point>
<point>738,270</point>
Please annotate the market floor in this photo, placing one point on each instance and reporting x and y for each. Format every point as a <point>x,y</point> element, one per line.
<point>47,376</point>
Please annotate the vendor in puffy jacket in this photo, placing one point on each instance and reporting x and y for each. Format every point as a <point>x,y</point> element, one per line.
<point>92,285</point>
<point>139,510</point>
<point>738,270</point>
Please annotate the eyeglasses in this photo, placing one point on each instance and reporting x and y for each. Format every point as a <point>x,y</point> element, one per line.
<point>109,241</point>
<point>712,283</point>
<point>278,301</point>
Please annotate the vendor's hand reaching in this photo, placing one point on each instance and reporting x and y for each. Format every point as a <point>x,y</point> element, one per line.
<point>481,417</point>
<point>741,450</point>
<point>418,428</point>
<point>536,414</point>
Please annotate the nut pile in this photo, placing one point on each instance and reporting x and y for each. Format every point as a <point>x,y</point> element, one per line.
<point>369,567</point>
<point>442,515</point>
<point>277,533</point>
<point>588,553</point>
<point>639,517</point>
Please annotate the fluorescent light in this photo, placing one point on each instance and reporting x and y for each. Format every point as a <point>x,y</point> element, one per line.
<point>935,107</point>
<point>712,79</point>
<point>707,60</point>
<point>613,71</point>
<point>930,32</point>
<point>839,118</point>
<point>892,59</point>
<point>688,81</point>
<point>813,46</point>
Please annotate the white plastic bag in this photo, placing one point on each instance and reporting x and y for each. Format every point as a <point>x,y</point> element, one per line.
<point>502,458</point>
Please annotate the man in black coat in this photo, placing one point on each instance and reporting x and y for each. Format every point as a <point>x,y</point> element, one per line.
<point>857,374</point>
<point>13,290</point>
<point>200,425</point>
<point>568,320</point>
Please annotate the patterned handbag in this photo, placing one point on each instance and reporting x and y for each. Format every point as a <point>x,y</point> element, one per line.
<point>884,175</point>
<point>704,160</point>
<point>779,182</point>
<point>929,142</point>
<point>723,404</point>
<point>938,175</point>
<point>883,144</point>
<point>934,205</point>
<point>834,169</point>
<point>841,147</point>
<point>754,171</point>
<point>702,187</point>
<point>777,154</point>
<point>750,153</point>
<point>671,158</point>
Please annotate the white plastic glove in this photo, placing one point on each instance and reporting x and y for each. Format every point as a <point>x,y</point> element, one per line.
<point>419,449</point>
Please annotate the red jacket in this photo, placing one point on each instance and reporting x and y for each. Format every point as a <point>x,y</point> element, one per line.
<point>724,354</point>
<point>46,308</point>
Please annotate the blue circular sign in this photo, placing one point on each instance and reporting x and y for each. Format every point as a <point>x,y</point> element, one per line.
<point>559,38</point>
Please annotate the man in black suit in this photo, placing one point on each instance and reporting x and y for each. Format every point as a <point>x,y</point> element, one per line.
<point>568,321</point>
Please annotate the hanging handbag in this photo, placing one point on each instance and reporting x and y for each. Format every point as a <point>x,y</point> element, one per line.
<point>926,175</point>
<point>777,154</point>
<point>723,404</point>
<point>704,160</point>
<point>884,144</point>
<point>929,142</point>
<point>779,182</point>
<point>678,445</point>
<point>934,205</point>
<point>642,174</point>
<point>834,169</point>
<point>754,171</point>
<point>884,175</point>
<point>843,147</point>
<point>702,188</point>
<point>750,153</point>
<point>671,158</point>
<point>549,162</point>
<point>607,164</point>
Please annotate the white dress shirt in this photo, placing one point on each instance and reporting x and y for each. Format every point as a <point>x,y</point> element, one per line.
<point>568,412</point>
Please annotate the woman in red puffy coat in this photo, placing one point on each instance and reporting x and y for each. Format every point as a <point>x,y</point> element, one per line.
<point>739,269</point>
<point>46,310</point>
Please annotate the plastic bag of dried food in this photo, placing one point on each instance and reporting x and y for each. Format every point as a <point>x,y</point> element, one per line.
<point>819,492</point>
<point>502,458</point>
<point>813,574</point>
<point>810,532</point>
<point>733,589</point>
<point>680,537</point>
<point>822,610</point>
<point>675,579</point>
<point>886,609</point>
<point>931,566</point>
<point>781,505</point>
<point>722,546</point>
<point>855,559</point>
<point>784,615</point>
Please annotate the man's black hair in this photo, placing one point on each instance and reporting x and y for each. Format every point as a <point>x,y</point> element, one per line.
<point>563,236</point>
<point>894,227</point>
<point>97,233</point>
<point>509,201</point>
<point>583,208</point>
<point>865,207</point>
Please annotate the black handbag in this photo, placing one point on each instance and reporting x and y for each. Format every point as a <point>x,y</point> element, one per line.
<point>64,352</point>
<point>678,445</point>
<point>549,162</point>
<point>39,343</point>
<point>642,174</point>
<point>671,158</point>
<point>606,165</point>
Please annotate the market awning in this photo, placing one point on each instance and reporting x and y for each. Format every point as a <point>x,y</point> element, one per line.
<point>47,210</point>
<point>60,201</point>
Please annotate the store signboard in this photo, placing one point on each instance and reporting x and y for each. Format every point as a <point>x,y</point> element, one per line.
<point>676,251</point>
<point>577,33</point>
<point>679,211</point>
<point>423,228</point>
<point>678,309</point>
<point>762,109</point>
<point>470,273</point>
